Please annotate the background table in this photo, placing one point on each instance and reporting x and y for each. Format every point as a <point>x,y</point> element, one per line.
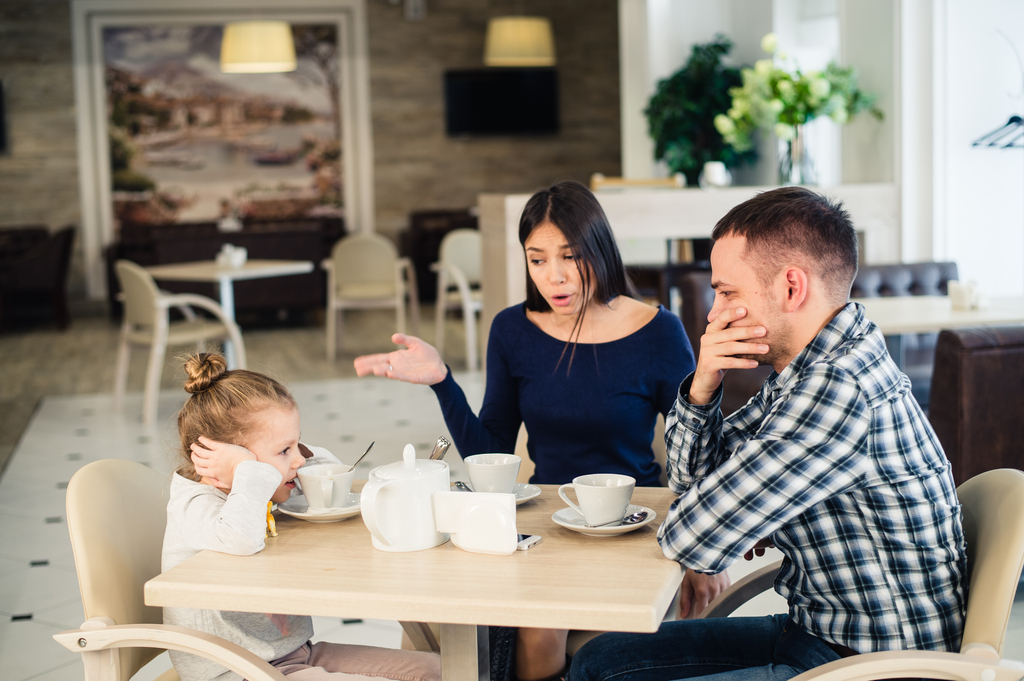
<point>568,581</point>
<point>897,315</point>
<point>209,271</point>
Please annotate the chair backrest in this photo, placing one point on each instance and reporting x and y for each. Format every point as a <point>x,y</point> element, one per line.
<point>140,293</point>
<point>993,519</point>
<point>903,279</point>
<point>462,248</point>
<point>117,512</point>
<point>364,259</point>
<point>975,405</point>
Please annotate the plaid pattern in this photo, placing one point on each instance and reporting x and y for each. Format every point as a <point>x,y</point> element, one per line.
<point>835,461</point>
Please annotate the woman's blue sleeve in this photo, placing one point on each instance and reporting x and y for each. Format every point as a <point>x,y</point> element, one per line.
<point>496,428</point>
<point>675,362</point>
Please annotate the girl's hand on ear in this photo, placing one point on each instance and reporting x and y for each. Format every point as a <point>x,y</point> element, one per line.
<point>216,462</point>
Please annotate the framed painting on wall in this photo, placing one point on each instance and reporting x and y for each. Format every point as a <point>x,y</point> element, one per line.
<point>166,137</point>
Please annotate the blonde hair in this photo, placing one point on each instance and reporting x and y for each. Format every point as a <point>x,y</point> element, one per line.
<point>222,404</point>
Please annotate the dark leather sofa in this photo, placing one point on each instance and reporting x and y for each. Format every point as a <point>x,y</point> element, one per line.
<point>34,266</point>
<point>901,279</point>
<point>977,401</point>
<point>311,240</point>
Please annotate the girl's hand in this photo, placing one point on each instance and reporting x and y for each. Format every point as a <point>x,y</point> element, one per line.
<point>420,363</point>
<point>216,462</point>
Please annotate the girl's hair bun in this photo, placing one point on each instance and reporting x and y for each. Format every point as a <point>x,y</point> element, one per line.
<point>204,370</point>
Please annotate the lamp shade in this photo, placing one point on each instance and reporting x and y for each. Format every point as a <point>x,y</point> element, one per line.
<point>257,47</point>
<point>519,41</point>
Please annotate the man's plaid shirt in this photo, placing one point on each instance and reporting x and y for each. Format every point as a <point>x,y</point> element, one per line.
<point>834,461</point>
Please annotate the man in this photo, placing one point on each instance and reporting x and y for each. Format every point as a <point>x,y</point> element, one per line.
<point>833,462</point>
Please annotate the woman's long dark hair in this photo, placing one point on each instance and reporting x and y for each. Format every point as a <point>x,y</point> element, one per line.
<point>574,210</point>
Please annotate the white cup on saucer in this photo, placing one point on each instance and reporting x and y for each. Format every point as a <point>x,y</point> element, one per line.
<point>493,472</point>
<point>326,486</point>
<point>603,498</point>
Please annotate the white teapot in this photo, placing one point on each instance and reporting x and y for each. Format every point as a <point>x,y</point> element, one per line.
<point>397,506</point>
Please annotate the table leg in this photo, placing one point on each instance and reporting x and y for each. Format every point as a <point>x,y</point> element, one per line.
<point>465,652</point>
<point>227,302</point>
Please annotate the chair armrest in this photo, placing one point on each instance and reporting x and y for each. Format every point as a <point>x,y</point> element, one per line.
<point>178,300</point>
<point>740,593</point>
<point>327,264</point>
<point>436,266</point>
<point>929,665</point>
<point>99,634</point>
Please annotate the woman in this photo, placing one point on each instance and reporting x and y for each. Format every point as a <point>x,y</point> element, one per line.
<point>583,363</point>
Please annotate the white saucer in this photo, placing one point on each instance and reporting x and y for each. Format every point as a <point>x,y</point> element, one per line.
<point>524,492</point>
<point>298,507</point>
<point>571,519</point>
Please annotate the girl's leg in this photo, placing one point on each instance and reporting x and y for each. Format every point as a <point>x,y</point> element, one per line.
<point>540,653</point>
<point>329,661</point>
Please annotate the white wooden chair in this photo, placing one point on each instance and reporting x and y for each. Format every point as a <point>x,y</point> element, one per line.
<point>117,512</point>
<point>459,286</point>
<point>147,323</point>
<point>364,272</point>
<point>993,520</point>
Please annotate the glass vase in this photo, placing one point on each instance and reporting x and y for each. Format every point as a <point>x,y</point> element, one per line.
<point>795,165</point>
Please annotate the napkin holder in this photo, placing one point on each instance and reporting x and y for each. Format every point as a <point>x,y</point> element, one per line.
<point>232,256</point>
<point>484,523</point>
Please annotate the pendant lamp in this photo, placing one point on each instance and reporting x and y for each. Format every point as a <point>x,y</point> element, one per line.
<point>519,41</point>
<point>257,47</point>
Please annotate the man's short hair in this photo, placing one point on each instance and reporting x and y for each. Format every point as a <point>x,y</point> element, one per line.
<point>795,226</point>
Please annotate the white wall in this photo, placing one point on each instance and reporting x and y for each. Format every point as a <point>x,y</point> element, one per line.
<point>979,192</point>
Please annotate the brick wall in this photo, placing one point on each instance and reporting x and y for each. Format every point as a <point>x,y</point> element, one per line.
<point>416,165</point>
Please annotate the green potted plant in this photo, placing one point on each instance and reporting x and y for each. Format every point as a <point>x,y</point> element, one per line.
<point>681,113</point>
<point>777,96</point>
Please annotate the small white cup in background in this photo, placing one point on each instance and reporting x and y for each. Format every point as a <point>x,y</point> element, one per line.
<point>603,498</point>
<point>961,296</point>
<point>493,472</point>
<point>714,174</point>
<point>326,486</point>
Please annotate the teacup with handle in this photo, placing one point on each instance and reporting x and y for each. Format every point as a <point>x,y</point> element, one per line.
<point>603,498</point>
<point>326,486</point>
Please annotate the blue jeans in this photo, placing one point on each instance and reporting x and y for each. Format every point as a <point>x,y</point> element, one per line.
<point>765,648</point>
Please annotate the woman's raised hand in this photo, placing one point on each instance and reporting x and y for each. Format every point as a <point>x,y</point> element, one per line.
<point>216,462</point>
<point>419,363</point>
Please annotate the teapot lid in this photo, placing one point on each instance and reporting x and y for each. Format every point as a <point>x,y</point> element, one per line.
<point>410,467</point>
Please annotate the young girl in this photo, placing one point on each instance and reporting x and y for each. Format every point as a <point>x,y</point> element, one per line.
<point>240,450</point>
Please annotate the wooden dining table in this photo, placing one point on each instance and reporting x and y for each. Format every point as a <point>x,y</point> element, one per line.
<point>568,581</point>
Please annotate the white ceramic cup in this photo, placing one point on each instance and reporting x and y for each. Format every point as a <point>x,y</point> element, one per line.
<point>603,498</point>
<point>493,472</point>
<point>716,174</point>
<point>326,486</point>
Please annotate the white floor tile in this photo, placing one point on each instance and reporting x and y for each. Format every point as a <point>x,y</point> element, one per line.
<point>70,671</point>
<point>34,589</point>
<point>27,648</point>
<point>68,616</point>
<point>155,668</point>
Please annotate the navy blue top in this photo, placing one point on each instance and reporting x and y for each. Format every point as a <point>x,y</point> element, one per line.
<point>597,419</point>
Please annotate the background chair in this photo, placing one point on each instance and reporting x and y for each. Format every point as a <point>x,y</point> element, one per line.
<point>34,266</point>
<point>993,522</point>
<point>147,323</point>
<point>976,407</point>
<point>458,286</point>
<point>116,513</point>
<point>365,272</point>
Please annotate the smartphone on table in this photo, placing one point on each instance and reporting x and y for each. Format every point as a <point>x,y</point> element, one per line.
<point>527,541</point>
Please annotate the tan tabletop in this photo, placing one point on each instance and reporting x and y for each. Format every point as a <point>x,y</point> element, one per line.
<point>568,581</point>
<point>916,314</point>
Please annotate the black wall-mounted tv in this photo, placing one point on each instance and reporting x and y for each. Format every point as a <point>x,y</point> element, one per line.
<point>501,101</point>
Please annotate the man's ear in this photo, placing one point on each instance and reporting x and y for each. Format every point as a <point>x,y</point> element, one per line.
<point>795,281</point>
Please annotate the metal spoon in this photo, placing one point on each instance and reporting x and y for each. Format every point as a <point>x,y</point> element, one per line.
<point>361,458</point>
<point>440,448</point>
<point>627,520</point>
<point>464,487</point>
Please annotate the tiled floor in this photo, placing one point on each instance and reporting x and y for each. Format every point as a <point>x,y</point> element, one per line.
<point>38,586</point>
